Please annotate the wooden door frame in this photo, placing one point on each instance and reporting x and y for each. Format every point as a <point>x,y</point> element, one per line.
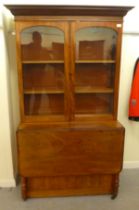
<point>61,25</point>
<point>116,26</point>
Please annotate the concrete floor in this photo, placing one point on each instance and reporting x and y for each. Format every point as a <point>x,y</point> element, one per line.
<point>128,198</point>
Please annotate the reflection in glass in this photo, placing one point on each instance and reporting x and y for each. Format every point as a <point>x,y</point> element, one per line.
<point>95,43</point>
<point>44,104</point>
<point>43,70</point>
<point>42,43</point>
<point>94,70</point>
<point>43,76</point>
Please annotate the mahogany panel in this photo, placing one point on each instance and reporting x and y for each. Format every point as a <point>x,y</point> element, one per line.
<point>72,151</point>
<point>69,185</point>
<point>102,124</point>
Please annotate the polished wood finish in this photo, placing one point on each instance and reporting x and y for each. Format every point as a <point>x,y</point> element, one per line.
<point>70,161</point>
<point>95,61</point>
<point>69,140</point>
<point>73,151</point>
<point>105,124</point>
<point>115,186</point>
<point>24,187</point>
<point>18,10</point>
<point>95,184</point>
<point>81,89</point>
<point>42,61</point>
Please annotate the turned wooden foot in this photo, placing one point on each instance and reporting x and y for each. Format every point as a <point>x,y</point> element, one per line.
<point>24,188</point>
<point>115,186</point>
<point>114,196</point>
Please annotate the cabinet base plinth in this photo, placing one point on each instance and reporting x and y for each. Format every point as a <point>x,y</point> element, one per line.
<point>69,186</point>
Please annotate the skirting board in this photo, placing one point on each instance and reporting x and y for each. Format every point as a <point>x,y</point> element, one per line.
<point>131,164</point>
<point>7,183</point>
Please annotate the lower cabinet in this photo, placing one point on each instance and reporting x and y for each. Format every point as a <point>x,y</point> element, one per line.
<point>70,160</point>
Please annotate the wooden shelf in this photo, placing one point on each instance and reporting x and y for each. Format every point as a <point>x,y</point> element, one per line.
<point>102,115</point>
<point>44,91</point>
<point>43,61</point>
<point>77,90</point>
<point>93,90</point>
<point>95,61</point>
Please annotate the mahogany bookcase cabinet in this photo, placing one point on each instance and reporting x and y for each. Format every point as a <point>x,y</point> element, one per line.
<point>69,140</point>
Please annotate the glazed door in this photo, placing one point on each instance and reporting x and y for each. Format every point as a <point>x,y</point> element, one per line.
<point>95,69</point>
<point>43,69</point>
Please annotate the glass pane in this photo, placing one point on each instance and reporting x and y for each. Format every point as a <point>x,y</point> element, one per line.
<point>94,75</point>
<point>42,43</point>
<point>94,103</point>
<point>42,51</point>
<point>43,76</point>
<point>40,104</point>
<point>96,43</point>
<point>94,70</point>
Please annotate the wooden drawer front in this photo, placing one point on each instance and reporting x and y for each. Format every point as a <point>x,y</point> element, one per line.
<point>65,152</point>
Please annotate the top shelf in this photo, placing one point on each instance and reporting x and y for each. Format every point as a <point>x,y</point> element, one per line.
<point>95,61</point>
<point>42,61</point>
